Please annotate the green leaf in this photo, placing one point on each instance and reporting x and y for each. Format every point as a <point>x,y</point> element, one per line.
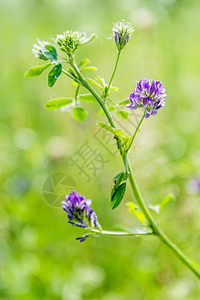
<point>54,74</point>
<point>118,133</point>
<point>89,39</point>
<point>165,201</point>
<point>155,207</point>
<point>124,102</point>
<point>137,212</point>
<point>102,81</point>
<point>87,97</point>
<point>110,108</point>
<point>126,140</point>
<point>58,102</point>
<point>94,82</point>
<point>106,127</point>
<point>83,62</point>
<point>122,114</point>
<point>72,72</point>
<point>88,68</point>
<point>114,88</point>
<point>50,52</point>
<point>79,113</point>
<point>75,82</point>
<point>117,195</point>
<point>36,71</point>
<point>120,177</point>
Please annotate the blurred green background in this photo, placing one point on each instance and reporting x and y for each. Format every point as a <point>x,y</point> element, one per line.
<point>39,257</point>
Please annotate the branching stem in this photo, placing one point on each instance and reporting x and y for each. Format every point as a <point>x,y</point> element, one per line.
<point>194,267</point>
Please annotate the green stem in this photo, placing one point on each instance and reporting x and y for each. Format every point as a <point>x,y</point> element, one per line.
<point>76,94</point>
<point>113,74</point>
<point>133,137</point>
<point>120,233</point>
<point>68,74</point>
<point>90,89</point>
<point>163,237</point>
<point>156,229</point>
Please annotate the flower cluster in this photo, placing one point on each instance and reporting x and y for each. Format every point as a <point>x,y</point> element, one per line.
<point>122,32</point>
<point>70,40</point>
<point>79,212</point>
<point>149,94</point>
<point>39,50</point>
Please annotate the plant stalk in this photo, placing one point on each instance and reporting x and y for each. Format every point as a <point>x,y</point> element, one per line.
<point>136,131</point>
<point>194,267</point>
<point>113,74</point>
<point>120,233</point>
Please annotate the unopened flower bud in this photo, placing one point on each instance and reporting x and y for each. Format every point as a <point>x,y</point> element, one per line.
<point>39,50</point>
<point>122,32</point>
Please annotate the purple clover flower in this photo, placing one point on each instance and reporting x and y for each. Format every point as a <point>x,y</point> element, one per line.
<point>122,32</point>
<point>79,212</point>
<point>149,94</point>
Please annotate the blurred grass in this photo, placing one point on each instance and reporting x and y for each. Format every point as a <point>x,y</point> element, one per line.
<point>39,257</point>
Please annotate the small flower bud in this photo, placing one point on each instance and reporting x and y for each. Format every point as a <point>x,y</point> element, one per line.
<point>122,32</point>
<point>39,50</point>
<point>69,40</point>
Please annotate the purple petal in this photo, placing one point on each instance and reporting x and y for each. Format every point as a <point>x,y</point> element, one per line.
<point>153,112</point>
<point>147,114</point>
<point>82,238</point>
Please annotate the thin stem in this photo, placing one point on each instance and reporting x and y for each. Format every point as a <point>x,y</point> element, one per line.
<point>68,74</point>
<point>163,237</point>
<point>156,229</point>
<point>136,131</point>
<point>113,74</point>
<point>121,233</point>
<point>113,102</point>
<point>76,94</point>
<point>90,89</point>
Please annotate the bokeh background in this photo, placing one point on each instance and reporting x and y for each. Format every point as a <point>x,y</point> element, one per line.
<point>39,257</point>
